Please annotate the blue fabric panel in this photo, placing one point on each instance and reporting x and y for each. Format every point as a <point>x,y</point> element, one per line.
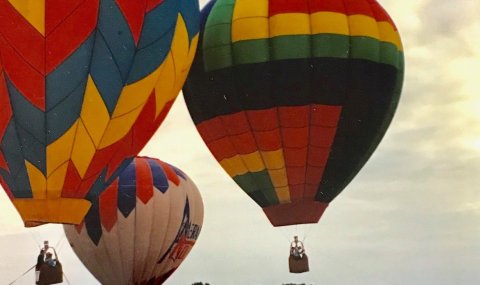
<point>23,189</point>
<point>65,114</point>
<point>179,172</point>
<point>150,58</point>
<point>33,150</point>
<point>93,224</point>
<point>190,12</point>
<point>105,73</point>
<point>119,170</point>
<point>159,22</point>
<point>69,75</point>
<point>160,180</point>
<point>116,32</point>
<point>27,115</point>
<point>127,189</point>
<point>12,149</point>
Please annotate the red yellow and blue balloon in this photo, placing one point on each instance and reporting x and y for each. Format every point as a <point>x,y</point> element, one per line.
<point>83,85</point>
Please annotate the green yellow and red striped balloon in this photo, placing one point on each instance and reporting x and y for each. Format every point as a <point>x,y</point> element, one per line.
<point>293,96</point>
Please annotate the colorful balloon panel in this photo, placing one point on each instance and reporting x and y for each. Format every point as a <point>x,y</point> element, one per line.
<point>142,227</point>
<point>83,86</point>
<point>293,96</point>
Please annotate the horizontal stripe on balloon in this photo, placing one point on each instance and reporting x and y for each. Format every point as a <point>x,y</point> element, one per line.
<point>302,47</point>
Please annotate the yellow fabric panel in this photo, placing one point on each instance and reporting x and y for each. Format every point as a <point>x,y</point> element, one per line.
<point>234,166</point>
<point>183,72</point>
<point>119,127</point>
<point>290,24</point>
<point>283,194</point>
<point>250,29</point>
<point>389,34</point>
<point>361,25</point>
<point>250,9</point>
<point>179,49</point>
<point>253,161</point>
<point>62,210</point>
<point>37,181</point>
<point>278,177</point>
<point>273,159</point>
<point>329,23</point>
<point>56,180</point>
<point>59,151</point>
<point>94,113</point>
<point>33,11</point>
<point>136,94</point>
<point>83,150</point>
<point>165,84</point>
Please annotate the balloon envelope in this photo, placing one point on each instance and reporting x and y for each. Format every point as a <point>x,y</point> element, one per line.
<point>293,96</point>
<point>142,227</point>
<point>83,86</point>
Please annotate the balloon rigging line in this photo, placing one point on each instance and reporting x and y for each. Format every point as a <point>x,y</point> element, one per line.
<point>30,269</point>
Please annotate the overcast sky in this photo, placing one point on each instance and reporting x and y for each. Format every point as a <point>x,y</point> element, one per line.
<point>411,216</point>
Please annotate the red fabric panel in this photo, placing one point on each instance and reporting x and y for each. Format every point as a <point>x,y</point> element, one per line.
<point>145,125</point>
<point>321,136</point>
<point>268,140</point>
<point>236,123</point>
<point>263,120</point>
<point>380,14</point>
<point>72,180</point>
<point>152,4</point>
<point>79,227</point>
<point>171,175</point>
<point>244,143</point>
<point>211,130</point>
<point>327,5</point>
<point>296,176</point>
<point>22,36</point>
<point>295,137</point>
<point>355,7</point>
<point>57,10</point>
<point>85,185</point>
<point>108,206</point>
<point>72,32</point>
<point>134,12</point>
<point>287,6</point>
<point>29,81</point>
<point>295,157</point>
<point>124,151</point>
<point>318,156</point>
<point>294,117</point>
<point>300,212</point>
<point>296,192</point>
<point>144,180</point>
<point>324,115</point>
<point>222,148</point>
<point>3,162</point>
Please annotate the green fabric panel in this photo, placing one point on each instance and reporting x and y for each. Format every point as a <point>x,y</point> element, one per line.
<point>221,13</point>
<point>217,57</point>
<point>218,35</point>
<point>365,48</point>
<point>291,47</point>
<point>252,51</point>
<point>389,54</point>
<point>258,181</point>
<point>330,45</point>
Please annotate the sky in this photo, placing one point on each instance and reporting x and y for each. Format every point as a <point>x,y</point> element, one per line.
<point>411,216</point>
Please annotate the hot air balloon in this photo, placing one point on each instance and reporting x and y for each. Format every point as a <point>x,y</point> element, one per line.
<point>292,97</point>
<point>142,227</point>
<point>83,86</point>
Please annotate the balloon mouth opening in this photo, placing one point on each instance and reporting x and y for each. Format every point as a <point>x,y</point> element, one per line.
<point>37,212</point>
<point>295,213</point>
